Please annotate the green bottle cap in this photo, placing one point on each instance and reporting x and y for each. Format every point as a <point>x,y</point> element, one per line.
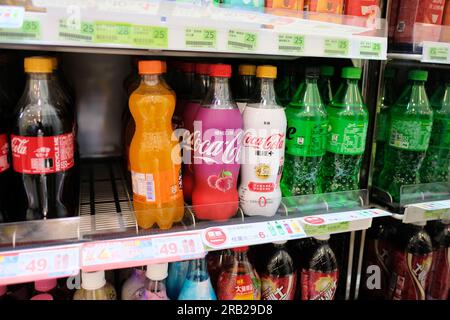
<point>389,73</point>
<point>351,73</point>
<point>326,71</point>
<point>418,75</point>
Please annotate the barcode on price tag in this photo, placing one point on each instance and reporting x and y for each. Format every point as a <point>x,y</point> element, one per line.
<point>185,247</point>
<point>52,263</point>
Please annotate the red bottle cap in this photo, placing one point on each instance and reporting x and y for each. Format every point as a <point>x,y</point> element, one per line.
<point>187,67</point>
<point>220,70</point>
<point>240,249</point>
<point>202,68</point>
<point>45,285</point>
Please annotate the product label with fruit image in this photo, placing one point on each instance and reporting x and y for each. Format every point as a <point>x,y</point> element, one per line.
<point>278,288</point>
<point>318,285</point>
<point>42,155</point>
<point>4,150</point>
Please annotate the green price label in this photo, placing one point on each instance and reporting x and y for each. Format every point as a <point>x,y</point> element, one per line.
<point>149,36</point>
<point>370,49</point>
<point>200,38</point>
<point>437,214</point>
<point>242,40</point>
<point>336,47</point>
<point>30,30</point>
<point>291,43</point>
<point>112,32</point>
<point>438,53</point>
<point>83,32</point>
<point>311,230</point>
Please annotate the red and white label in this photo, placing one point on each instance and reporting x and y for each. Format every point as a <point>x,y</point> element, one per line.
<point>261,186</point>
<point>41,155</point>
<point>4,150</point>
<point>271,142</point>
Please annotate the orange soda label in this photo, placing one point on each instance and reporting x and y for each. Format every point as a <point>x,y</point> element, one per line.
<point>157,187</point>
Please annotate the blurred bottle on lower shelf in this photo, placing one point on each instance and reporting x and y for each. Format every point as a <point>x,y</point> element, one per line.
<point>177,274</point>
<point>95,287</point>
<point>216,262</point>
<point>48,290</point>
<point>154,287</point>
<point>133,283</point>
<point>197,285</point>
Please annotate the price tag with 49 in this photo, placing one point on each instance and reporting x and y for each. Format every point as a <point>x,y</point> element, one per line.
<point>167,248</point>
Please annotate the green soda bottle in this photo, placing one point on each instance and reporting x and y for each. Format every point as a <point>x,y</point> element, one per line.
<point>435,167</point>
<point>410,122</point>
<point>285,85</point>
<point>387,100</point>
<point>305,139</point>
<point>326,73</point>
<point>347,130</point>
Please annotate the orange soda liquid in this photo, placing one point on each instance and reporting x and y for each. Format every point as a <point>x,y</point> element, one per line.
<point>155,159</point>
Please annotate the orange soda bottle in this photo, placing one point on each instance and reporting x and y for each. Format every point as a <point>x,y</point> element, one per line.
<point>155,158</point>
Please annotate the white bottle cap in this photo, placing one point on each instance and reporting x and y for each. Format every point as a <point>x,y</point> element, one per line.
<point>93,280</point>
<point>419,223</point>
<point>280,242</point>
<point>322,237</point>
<point>157,271</point>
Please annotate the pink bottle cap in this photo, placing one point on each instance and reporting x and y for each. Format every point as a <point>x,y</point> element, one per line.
<point>44,296</point>
<point>45,285</point>
<point>2,290</point>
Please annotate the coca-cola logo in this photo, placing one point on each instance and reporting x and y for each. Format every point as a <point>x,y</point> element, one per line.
<point>220,147</point>
<point>272,142</point>
<point>42,152</point>
<point>19,145</point>
<point>4,148</point>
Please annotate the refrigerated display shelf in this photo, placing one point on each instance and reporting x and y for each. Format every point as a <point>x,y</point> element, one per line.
<point>432,52</point>
<point>160,27</point>
<point>105,235</point>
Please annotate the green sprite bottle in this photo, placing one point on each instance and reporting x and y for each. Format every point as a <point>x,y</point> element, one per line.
<point>387,100</point>
<point>347,130</point>
<point>435,167</point>
<point>326,73</point>
<point>305,139</point>
<point>410,122</point>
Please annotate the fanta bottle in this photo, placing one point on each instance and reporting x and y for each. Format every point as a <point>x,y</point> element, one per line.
<point>217,143</point>
<point>154,156</point>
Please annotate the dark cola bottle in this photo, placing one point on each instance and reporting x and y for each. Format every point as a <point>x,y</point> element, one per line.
<point>42,143</point>
<point>319,275</point>
<point>411,263</point>
<point>5,165</point>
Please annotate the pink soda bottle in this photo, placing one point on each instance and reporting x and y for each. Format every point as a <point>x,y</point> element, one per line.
<point>217,144</point>
<point>199,91</point>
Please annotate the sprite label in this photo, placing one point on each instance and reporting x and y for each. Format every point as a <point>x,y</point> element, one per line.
<point>306,138</point>
<point>410,134</point>
<point>346,136</point>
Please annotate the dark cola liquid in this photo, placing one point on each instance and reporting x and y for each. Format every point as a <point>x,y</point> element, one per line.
<point>41,112</point>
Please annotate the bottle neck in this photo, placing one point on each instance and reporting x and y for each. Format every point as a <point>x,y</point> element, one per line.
<point>309,96</point>
<point>348,96</point>
<point>151,79</point>
<point>418,98</point>
<point>265,95</point>
<point>38,86</point>
<point>201,86</point>
<point>219,95</point>
<point>197,269</point>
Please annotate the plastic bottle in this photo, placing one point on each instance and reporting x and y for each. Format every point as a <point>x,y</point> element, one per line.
<point>42,144</point>
<point>348,122</point>
<point>246,84</point>
<point>95,287</point>
<point>133,283</point>
<point>324,84</point>
<point>154,287</point>
<point>437,286</point>
<point>263,148</point>
<point>286,83</point>
<point>197,285</point>
<point>200,88</point>
<point>411,263</point>
<point>319,276</point>
<point>362,8</point>
<point>435,167</point>
<point>305,139</point>
<point>177,274</point>
<point>184,91</point>
<point>386,102</point>
<point>279,279</point>
<point>49,287</point>
<point>216,150</point>
<point>155,164</point>
<point>216,262</point>
<point>239,280</point>
<point>5,165</point>
<point>410,123</point>
<point>325,6</point>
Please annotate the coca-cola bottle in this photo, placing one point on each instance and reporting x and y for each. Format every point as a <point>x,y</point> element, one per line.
<point>411,263</point>
<point>217,144</point>
<point>245,85</point>
<point>263,148</point>
<point>5,167</point>
<point>438,280</point>
<point>239,280</point>
<point>216,262</point>
<point>319,276</point>
<point>184,91</point>
<point>279,278</point>
<point>42,143</point>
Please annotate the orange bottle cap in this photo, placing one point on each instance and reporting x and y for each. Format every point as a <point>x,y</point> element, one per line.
<point>54,63</point>
<point>266,72</point>
<point>164,67</point>
<point>247,69</point>
<point>38,65</point>
<point>150,67</point>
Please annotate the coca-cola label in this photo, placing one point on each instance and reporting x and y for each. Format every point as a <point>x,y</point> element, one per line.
<point>4,150</point>
<point>217,146</point>
<point>437,284</point>
<point>267,143</point>
<point>318,285</point>
<point>278,288</point>
<point>409,276</point>
<point>42,155</point>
